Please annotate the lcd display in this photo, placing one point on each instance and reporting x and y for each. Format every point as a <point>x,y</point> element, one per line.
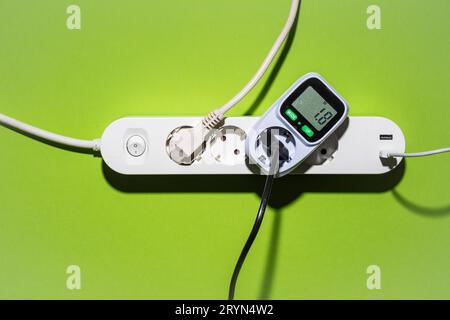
<point>314,108</point>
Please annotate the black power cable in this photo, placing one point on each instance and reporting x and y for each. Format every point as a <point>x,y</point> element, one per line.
<point>278,154</point>
<point>253,233</point>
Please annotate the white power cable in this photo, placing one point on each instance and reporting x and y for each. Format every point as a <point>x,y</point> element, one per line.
<point>417,154</point>
<point>267,61</point>
<point>188,143</point>
<point>209,122</point>
<point>6,121</point>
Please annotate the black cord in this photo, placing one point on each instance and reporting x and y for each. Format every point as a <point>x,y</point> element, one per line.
<point>253,233</point>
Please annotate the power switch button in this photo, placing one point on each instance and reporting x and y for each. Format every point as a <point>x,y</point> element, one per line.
<point>136,146</point>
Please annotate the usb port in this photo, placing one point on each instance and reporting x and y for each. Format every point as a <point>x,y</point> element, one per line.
<point>386,137</point>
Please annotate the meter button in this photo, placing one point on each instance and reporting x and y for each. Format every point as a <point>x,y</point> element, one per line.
<point>307,130</point>
<point>291,114</point>
<point>136,146</point>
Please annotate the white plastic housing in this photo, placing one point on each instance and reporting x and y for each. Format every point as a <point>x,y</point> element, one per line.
<point>358,148</point>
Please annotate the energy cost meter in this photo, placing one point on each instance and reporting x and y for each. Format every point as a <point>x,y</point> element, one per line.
<point>309,112</point>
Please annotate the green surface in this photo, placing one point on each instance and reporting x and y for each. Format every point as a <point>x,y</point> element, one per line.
<point>186,57</point>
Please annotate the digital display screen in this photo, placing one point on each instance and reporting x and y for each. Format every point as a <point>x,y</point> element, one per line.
<point>314,108</point>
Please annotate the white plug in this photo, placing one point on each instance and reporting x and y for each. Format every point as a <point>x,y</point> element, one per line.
<point>384,154</point>
<point>187,143</point>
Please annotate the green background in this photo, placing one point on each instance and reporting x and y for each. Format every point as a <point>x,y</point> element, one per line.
<point>176,239</point>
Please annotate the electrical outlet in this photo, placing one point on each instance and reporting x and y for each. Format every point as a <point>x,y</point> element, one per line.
<point>227,145</point>
<point>175,153</point>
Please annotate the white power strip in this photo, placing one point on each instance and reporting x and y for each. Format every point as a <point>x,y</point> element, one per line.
<point>140,146</point>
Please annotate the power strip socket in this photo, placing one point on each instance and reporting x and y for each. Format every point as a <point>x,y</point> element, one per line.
<point>140,146</point>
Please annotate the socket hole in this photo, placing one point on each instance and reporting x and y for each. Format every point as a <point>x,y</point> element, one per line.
<point>236,152</point>
<point>224,138</point>
<point>323,151</point>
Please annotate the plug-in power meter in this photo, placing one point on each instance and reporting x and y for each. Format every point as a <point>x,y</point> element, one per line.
<point>308,113</point>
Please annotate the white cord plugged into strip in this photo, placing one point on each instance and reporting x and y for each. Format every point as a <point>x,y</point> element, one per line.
<point>93,145</point>
<point>387,154</point>
<point>188,143</point>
